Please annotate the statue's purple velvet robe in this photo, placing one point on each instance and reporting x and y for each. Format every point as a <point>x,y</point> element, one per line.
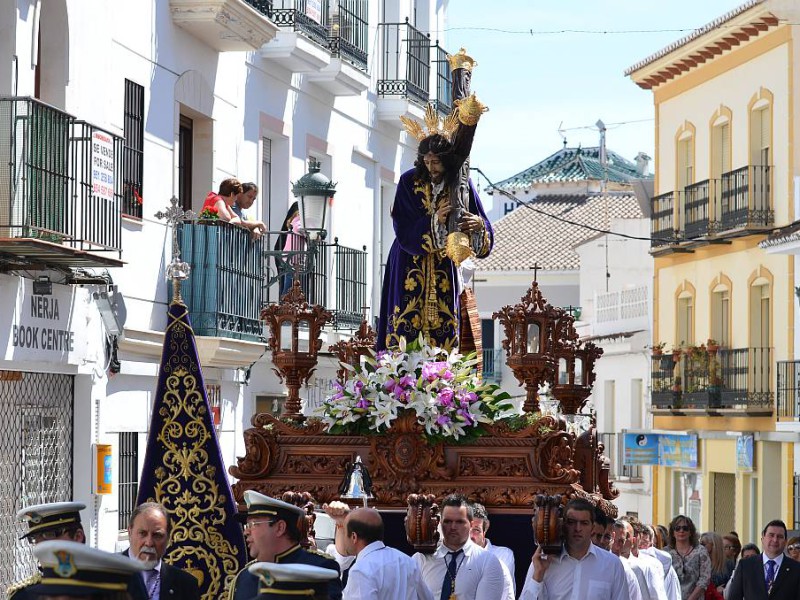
<point>420,292</point>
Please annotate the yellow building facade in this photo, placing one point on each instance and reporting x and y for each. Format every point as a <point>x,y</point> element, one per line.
<point>723,309</point>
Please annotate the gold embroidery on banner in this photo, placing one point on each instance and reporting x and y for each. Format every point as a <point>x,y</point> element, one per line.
<point>185,481</point>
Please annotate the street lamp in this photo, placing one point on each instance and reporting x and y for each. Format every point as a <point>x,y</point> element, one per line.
<point>295,327</point>
<point>531,339</point>
<point>313,191</point>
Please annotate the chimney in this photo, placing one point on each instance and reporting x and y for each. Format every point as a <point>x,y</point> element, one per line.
<point>642,164</point>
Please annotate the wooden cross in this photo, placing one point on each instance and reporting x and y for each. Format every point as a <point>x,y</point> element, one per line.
<point>177,270</point>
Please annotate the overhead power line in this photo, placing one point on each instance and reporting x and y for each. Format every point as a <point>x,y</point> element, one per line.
<point>529,206</point>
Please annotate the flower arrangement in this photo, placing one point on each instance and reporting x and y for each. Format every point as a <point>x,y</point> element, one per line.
<point>209,213</point>
<point>440,388</point>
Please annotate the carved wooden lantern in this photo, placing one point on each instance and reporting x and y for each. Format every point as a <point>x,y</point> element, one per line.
<point>294,340</point>
<point>350,352</point>
<point>422,522</point>
<point>548,524</point>
<point>530,341</point>
<point>575,374</point>
<point>306,525</point>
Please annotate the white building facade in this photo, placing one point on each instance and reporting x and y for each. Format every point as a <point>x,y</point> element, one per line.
<point>111,109</point>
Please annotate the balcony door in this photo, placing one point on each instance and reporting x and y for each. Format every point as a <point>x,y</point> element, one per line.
<point>760,330</point>
<point>720,315</point>
<point>760,155</point>
<point>684,172</point>
<point>720,161</point>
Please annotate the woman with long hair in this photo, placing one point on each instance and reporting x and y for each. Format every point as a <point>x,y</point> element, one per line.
<point>689,558</point>
<point>713,544</point>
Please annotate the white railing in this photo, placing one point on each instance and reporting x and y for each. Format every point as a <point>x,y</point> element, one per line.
<point>622,305</point>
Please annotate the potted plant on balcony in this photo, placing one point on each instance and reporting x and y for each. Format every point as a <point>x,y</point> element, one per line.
<point>658,348</point>
<point>209,213</point>
<point>677,400</point>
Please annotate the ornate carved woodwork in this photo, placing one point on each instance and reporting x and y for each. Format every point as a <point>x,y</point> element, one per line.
<point>503,470</point>
<point>350,351</point>
<point>422,522</point>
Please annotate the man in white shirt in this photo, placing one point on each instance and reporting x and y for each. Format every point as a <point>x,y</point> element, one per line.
<point>672,585</point>
<point>460,568</point>
<point>581,570</point>
<point>477,533</point>
<point>649,575</point>
<point>379,572</point>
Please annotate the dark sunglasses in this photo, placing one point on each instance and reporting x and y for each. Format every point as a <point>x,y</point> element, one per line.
<point>681,528</point>
<point>793,547</point>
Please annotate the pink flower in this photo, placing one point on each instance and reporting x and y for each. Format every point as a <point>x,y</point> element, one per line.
<point>434,370</point>
<point>407,381</point>
<point>446,397</point>
<point>443,420</point>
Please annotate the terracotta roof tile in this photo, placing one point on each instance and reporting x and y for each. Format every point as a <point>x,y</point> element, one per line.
<point>525,237</point>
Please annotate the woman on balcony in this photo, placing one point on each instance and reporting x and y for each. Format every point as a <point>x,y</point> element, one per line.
<point>222,202</point>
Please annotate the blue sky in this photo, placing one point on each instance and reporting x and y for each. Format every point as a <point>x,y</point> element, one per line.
<point>535,83</point>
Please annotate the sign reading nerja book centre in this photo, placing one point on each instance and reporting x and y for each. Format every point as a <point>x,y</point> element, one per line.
<point>43,328</point>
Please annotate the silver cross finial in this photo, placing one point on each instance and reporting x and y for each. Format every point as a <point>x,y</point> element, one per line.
<point>177,270</point>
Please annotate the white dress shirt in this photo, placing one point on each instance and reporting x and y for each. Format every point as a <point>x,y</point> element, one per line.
<point>383,573</point>
<point>672,585</point>
<point>653,574</point>
<point>506,556</point>
<point>480,576</point>
<point>634,585</point>
<point>599,575</point>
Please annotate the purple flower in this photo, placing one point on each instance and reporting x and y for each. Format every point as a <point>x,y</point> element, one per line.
<point>381,354</point>
<point>443,420</point>
<point>357,387</point>
<point>337,386</point>
<point>470,420</point>
<point>446,397</point>
<point>407,381</point>
<point>433,370</point>
<point>390,385</point>
<point>404,396</point>
<point>363,403</point>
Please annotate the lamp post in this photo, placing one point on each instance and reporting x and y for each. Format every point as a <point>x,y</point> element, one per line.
<point>530,341</point>
<point>294,340</point>
<point>575,374</point>
<point>313,191</point>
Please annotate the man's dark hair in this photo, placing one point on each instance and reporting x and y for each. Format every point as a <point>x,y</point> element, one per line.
<point>292,524</point>
<point>443,148</point>
<point>458,500</point>
<point>246,187</point>
<point>580,504</point>
<point>479,511</point>
<point>750,547</point>
<point>775,523</point>
<point>369,532</point>
<point>600,517</point>
<point>144,507</point>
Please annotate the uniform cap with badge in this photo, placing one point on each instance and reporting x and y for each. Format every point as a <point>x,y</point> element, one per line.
<point>278,581</point>
<point>55,516</point>
<point>259,505</point>
<point>73,569</point>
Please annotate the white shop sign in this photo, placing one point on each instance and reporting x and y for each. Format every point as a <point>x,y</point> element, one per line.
<point>38,328</point>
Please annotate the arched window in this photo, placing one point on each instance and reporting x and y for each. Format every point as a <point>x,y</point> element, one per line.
<point>684,314</point>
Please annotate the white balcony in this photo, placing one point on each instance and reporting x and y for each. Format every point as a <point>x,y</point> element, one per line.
<point>226,25</point>
<point>624,310</point>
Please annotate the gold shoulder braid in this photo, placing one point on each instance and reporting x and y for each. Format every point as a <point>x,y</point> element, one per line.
<point>32,580</point>
<point>319,552</point>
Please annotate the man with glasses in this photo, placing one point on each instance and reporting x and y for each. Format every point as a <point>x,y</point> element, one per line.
<point>581,569</point>
<point>770,574</point>
<point>272,533</point>
<point>48,522</point>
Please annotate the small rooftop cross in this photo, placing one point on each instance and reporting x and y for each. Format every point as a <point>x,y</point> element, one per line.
<point>535,268</point>
<point>177,270</point>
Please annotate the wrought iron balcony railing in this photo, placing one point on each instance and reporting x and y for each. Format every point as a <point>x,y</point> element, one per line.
<point>788,389</point>
<point>289,255</point>
<point>444,81</point>
<point>695,209</point>
<point>224,292</point>
<point>406,62</point>
<point>700,379</point>
<point>307,17</point>
<point>745,199</point>
<point>662,221</point>
<point>350,32</point>
<point>262,6</point>
<point>493,365</point>
<point>59,178</point>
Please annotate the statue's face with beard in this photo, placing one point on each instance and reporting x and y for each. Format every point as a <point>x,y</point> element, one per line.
<point>435,167</point>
